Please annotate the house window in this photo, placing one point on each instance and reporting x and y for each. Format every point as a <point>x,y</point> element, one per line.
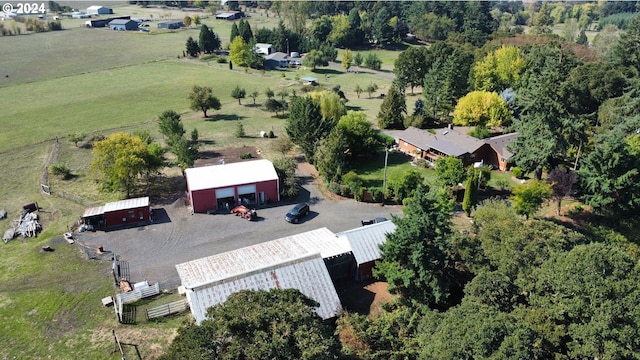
<point>132,214</point>
<point>503,160</point>
<point>473,156</point>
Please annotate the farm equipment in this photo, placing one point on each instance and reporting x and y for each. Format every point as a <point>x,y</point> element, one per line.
<point>243,211</point>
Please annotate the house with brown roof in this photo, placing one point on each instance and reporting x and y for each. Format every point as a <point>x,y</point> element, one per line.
<point>432,144</point>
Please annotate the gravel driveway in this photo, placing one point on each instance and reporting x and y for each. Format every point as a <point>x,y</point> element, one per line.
<point>176,236</point>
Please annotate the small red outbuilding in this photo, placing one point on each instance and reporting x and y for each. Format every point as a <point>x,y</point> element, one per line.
<point>118,213</point>
<point>224,186</point>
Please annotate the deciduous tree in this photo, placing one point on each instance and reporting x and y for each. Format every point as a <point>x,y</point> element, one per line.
<point>275,324</point>
<point>563,183</point>
<point>239,93</point>
<point>528,197</point>
<point>482,108</point>
<point>499,70</point>
<point>201,98</point>
<point>119,160</point>
<point>450,171</point>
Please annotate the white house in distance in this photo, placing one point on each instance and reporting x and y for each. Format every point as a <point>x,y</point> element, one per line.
<point>264,49</point>
<point>217,186</point>
<point>99,10</point>
<point>293,262</point>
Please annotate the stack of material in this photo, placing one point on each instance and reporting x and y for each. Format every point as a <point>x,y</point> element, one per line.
<point>28,224</point>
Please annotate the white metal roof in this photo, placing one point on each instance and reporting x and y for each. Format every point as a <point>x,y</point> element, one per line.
<point>93,211</point>
<point>221,267</point>
<point>365,241</point>
<point>307,274</point>
<point>126,204</point>
<point>220,176</point>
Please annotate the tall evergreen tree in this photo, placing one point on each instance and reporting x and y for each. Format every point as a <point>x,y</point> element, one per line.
<point>193,49</point>
<point>305,126</point>
<point>244,30</point>
<point>234,31</point>
<point>610,175</point>
<point>381,30</point>
<point>416,258</point>
<point>208,40</point>
<point>626,51</point>
<point>392,110</point>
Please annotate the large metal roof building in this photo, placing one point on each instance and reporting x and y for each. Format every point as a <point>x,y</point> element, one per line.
<point>291,262</point>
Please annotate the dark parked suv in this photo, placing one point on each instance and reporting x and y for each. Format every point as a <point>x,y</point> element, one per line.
<point>299,211</point>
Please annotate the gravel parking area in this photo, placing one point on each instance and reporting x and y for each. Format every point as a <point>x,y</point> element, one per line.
<point>176,236</point>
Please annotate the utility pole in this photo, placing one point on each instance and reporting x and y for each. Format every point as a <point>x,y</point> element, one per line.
<point>384,178</point>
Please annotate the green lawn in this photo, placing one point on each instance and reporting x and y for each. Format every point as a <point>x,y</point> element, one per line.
<point>372,171</point>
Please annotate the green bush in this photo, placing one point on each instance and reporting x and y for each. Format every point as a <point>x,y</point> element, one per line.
<point>239,132</point>
<point>353,181</point>
<point>517,172</point>
<point>221,60</point>
<point>387,140</point>
<point>422,163</point>
<point>334,187</point>
<point>359,195</point>
<point>376,193</point>
<point>246,156</point>
<point>480,132</point>
<point>271,134</point>
<point>345,190</point>
<point>60,170</point>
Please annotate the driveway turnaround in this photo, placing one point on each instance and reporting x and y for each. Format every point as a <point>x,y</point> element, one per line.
<point>176,236</point>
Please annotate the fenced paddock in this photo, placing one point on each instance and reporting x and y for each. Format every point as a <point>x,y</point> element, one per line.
<point>125,312</point>
<point>167,309</point>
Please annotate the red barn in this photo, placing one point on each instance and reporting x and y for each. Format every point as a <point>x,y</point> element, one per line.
<point>117,213</point>
<point>224,186</point>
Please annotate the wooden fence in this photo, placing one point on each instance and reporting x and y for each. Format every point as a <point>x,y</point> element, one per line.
<point>167,309</point>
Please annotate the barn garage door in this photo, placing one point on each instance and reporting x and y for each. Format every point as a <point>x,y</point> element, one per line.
<point>225,193</point>
<point>247,189</point>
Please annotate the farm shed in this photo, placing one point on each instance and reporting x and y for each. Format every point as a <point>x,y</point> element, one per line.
<point>99,10</point>
<point>99,23</point>
<point>221,186</point>
<point>365,246</point>
<point>118,213</point>
<point>293,262</point>
<point>262,48</point>
<point>230,15</point>
<point>173,24</point>
<point>123,24</point>
<point>276,60</point>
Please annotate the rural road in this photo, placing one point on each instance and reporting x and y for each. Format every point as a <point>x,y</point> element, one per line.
<point>176,236</point>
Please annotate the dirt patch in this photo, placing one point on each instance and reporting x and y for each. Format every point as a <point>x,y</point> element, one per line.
<point>365,298</point>
<point>227,156</point>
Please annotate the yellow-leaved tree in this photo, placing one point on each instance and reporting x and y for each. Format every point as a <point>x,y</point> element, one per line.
<point>482,108</point>
<point>499,70</point>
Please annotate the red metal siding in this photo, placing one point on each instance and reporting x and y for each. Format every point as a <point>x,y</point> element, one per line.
<point>270,189</point>
<point>203,200</point>
<point>127,216</point>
